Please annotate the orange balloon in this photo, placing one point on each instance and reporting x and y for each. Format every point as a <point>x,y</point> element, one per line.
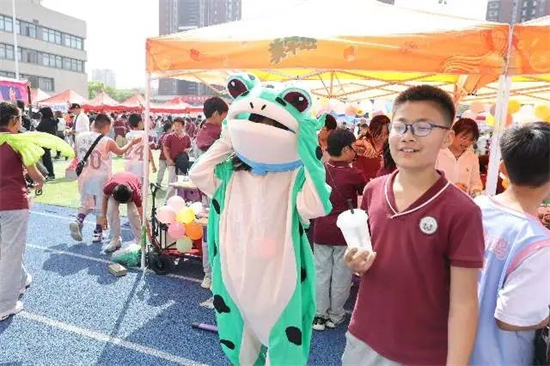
<point>193,231</point>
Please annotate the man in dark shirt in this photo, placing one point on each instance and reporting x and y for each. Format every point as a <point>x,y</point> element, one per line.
<point>333,278</point>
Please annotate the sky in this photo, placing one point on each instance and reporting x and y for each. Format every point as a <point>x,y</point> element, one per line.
<point>117,29</point>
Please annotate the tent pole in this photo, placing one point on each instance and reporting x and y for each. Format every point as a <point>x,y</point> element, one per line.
<point>505,82</point>
<point>146,170</point>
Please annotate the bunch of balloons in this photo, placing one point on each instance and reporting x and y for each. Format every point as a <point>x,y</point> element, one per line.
<point>181,221</point>
<point>515,112</point>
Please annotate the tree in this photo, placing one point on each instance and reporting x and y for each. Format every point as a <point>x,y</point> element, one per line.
<point>96,87</point>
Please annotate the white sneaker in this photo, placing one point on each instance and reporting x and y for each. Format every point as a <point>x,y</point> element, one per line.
<point>97,237</point>
<point>76,230</point>
<point>27,284</point>
<point>319,323</point>
<point>114,245</point>
<point>206,283</point>
<point>18,308</point>
<point>332,324</point>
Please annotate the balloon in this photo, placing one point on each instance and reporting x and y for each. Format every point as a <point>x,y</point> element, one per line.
<point>514,106</point>
<point>350,111</point>
<point>477,107</point>
<point>176,230</point>
<point>490,120</point>
<point>166,215</point>
<point>469,114</point>
<point>194,230</point>
<point>542,111</point>
<point>183,245</point>
<point>185,216</point>
<point>509,120</point>
<point>360,112</point>
<point>176,202</point>
<point>337,106</point>
<point>197,208</point>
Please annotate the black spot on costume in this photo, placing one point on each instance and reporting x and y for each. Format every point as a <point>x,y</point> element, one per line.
<point>220,305</point>
<point>294,335</point>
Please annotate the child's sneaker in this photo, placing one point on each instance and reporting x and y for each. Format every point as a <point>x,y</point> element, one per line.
<point>28,283</point>
<point>206,283</point>
<point>332,324</point>
<point>97,237</point>
<point>76,230</point>
<point>319,323</point>
<point>113,246</point>
<point>18,308</point>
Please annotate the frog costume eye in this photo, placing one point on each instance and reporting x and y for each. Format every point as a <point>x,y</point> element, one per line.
<point>298,98</point>
<point>240,85</point>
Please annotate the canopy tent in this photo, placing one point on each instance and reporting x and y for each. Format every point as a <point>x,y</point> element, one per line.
<point>102,102</point>
<point>38,95</point>
<point>66,97</point>
<point>134,103</point>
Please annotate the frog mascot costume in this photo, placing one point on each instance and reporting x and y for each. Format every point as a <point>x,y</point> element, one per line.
<point>266,181</point>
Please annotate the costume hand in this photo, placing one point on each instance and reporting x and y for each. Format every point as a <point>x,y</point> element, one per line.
<point>359,260</point>
<point>103,222</point>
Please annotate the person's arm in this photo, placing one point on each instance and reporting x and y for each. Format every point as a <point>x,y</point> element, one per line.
<point>476,185</point>
<point>463,315</point>
<point>102,220</point>
<point>36,176</point>
<point>152,161</point>
<point>113,147</point>
<point>166,151</point>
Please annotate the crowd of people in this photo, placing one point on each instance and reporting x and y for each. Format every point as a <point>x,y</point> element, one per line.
<point>456,277</point>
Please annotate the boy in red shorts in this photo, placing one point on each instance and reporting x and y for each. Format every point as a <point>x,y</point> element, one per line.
<point>417,302</point>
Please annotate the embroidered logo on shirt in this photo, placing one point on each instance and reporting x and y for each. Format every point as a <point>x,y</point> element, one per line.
<point>428,225</point>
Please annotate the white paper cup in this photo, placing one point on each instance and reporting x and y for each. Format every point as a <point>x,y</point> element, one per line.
<point>354,227</point>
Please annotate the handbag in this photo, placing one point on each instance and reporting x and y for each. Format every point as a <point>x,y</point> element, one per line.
<point>81,164</point>
<point>542,346</point>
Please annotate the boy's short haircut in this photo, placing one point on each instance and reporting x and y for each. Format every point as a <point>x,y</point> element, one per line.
<point>215,104</point>
<point>330,122</point>
<point>101,120</point>
<point>167,126</point>
<point>134,120</point>
<point>338,140</point>
<point>428,93</point>
<point>179,120</point>
<point>122,193</point>
<point>20,104</point>
<point>466,126</point>
<point>526,154</point>
<point>7,112</point>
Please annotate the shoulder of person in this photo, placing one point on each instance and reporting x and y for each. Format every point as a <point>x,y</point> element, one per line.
<point>459,203</point>
<point>375,184</point>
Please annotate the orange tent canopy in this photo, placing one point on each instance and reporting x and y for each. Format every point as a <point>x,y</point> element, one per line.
<point>102,101</point>
<point>66,97</point>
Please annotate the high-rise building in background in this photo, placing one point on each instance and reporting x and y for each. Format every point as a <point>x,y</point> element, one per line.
<point>516,11</point>
<point>105,76</point>
<point>182,15</point>
<point>50,47</point>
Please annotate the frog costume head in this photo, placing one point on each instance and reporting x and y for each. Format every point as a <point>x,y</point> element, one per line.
<point>264,124</point>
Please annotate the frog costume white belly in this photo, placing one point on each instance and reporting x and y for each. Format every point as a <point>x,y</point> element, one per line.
<point>263,269</point>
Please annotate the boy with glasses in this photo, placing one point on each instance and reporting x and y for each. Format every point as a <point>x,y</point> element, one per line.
<point>417,302</point>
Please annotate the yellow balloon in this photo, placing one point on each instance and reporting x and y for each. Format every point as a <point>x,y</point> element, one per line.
<point>542,112</point>
<point>513,106</point>
<point>490,120</point>
<point>185,216</point>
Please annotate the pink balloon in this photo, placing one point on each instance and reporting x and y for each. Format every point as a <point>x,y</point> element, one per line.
<point>176,230</point>
<point>166,215</point>
<point>176,202</point>
<point>477,107</point>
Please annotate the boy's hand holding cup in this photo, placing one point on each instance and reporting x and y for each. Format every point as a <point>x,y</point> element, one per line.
<point>353,223</point>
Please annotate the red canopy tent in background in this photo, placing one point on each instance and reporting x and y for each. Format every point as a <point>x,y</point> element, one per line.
<point>134,103</point>
<point>66,97</point>
<point>102,102</point>
<point>38,95</point>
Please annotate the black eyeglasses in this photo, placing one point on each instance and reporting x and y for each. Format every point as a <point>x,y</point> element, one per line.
<point>419,128</point>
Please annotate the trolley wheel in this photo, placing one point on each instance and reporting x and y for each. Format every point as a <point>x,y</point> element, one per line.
<point>161,264</point>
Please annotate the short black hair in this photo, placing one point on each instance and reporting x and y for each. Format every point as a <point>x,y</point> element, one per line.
<point>330,122</point>
<point>179,120</point>
<point>467,126</point>
<point>7,112</point>
<point>526,154</point>
<point>428,93</point>
<point>215,104</point>
<point>101,120</point>
<point>46,112</point>
<point>338,139</point>
<point>122,193</point>
<point>20,104</point>
<point>167,126</point>
<point>134,120</point>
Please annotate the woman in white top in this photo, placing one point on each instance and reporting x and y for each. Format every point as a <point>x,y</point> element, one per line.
<point>459,162</point>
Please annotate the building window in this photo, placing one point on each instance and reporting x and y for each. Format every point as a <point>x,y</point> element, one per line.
<point>45,59</point>
<point>18,26</point>
<point>6,51</point>
<point>29,30</point>
<point>6,23</point>
<point>7,74</point>
<point>45,84</point>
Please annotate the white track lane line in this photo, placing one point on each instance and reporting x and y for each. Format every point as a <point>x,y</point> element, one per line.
<point>102,337</point>
<point>106,261</point>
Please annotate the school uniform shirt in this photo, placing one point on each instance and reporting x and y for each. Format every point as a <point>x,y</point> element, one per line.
<point>346,183</point>
<point>463,170</point>
<point>177,144</point>
<point>120,128</point>
<point>402,307</point>
<point>513,286</point>
<point>13,187</point>
<point>160,145</point>
<point>98,168</point>
<point>131,180</point>
<point>207,135</point>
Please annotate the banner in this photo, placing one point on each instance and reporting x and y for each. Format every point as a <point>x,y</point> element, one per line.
<point>12,90</point>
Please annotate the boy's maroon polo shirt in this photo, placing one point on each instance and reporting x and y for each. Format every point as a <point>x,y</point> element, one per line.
<point>402,308</point>
<point>346,183</point>
<point>13,187</point>
<point>177,144</point>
